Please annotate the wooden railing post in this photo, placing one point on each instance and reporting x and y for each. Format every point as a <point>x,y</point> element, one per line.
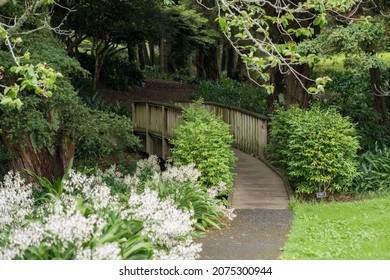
<point>164,147</point>
<point>148,148</point>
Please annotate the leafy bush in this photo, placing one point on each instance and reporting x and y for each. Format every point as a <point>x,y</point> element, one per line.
<point>231,92</point>
<point>374,171</point>
<point>316,148</point>
<point>102,133</point>
<point>96,133</point>
<point>204,139</point>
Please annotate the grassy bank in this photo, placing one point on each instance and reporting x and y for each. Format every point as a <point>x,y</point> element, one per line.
<point>353,230</point>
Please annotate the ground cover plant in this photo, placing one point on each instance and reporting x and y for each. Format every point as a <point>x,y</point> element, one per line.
<point>374,171</point>
<point>107,215</point>
<point>353,230</point>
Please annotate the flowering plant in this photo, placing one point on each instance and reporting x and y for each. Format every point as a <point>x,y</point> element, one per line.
<point>108,215</point>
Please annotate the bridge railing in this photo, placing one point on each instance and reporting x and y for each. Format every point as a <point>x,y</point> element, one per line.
<point>155,123</point>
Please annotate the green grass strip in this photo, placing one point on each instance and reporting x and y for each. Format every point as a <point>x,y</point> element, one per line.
<point>354,230</point>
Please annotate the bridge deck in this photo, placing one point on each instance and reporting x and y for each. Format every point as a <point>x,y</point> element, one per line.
<point>257,186</point>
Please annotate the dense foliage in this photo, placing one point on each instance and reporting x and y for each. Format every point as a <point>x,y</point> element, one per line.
<point>349,94</point>
<point>116,73</point>
<point>151,214</point>
<point>315,147</point>
<point>374,171</point>
<point>204,139</point>
<point>231,92</point>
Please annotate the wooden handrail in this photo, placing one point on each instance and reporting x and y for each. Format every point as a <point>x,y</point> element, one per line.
<point>152,118</point>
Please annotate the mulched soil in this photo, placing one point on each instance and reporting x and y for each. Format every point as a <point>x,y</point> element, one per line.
<point>154,90</point>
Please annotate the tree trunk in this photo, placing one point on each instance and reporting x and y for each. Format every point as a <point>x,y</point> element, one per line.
<point>295,93</point>
<point>146,54</point>
<point>161,56</point>
<point>200,71</point>
<point>224,58</point>
<point>141,56</point>
<point>277,79</point>
<point>238,72</point>
<point>98,67</point>
<point>379,98</point>
<point>231,55</point>
<point>131,52</point>
<point>210,62</point>
<point>50,163</point>
<point>151,54</point>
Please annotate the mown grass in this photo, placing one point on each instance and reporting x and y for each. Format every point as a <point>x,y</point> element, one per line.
<point>330,231</point>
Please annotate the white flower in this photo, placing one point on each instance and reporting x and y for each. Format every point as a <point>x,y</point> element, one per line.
<point>15,200</point>
<point>164,224</point>
<point>150,164</point>
<point>108,251</point>
<point>186,173</point>
<point>215,190</point>
<point>187,250</point>
<point>91,188</point>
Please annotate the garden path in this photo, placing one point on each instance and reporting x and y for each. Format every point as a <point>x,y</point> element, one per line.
<point>263,220</point>
<point>257,186</point>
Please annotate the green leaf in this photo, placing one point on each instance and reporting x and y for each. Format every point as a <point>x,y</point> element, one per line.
<point>27,56</point>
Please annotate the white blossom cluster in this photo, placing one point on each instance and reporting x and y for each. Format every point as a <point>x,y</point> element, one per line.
<point>164,224</point>
<point>215,190</point>
<point>91,188</point>
<point>108,251</point>
<point>185,250</point>
<point>63,225</point>
<point>149,164</point>
<point>15,200</point>
<point>186,173</point>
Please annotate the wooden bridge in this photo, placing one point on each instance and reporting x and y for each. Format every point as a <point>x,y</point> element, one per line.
<point>257,184</point>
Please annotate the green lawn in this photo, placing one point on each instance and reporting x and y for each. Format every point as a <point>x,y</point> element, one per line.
<point>353,230</point>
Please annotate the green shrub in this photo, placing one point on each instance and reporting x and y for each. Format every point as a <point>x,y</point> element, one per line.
<point>316,148</point>
<point>374,171</point>
<point>205,140</point>
<point>234,93</point>
<point>103,133</point>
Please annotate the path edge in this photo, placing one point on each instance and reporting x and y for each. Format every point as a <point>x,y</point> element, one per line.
<point>286,183</point>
